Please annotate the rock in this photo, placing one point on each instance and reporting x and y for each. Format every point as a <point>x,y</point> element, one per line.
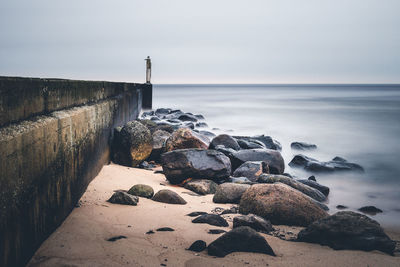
<point>273,158</point>
<point>199,116</point>
<point>348,230</point>
<point>147,114</point>
<point>201,186</point>
<point>198,246</point>
<point>229,192</point>
<point>250,169</point>
<point>341,207</point>
<point>165,127</point>
<point>226,141</point>
<point>185,138</point>
<point>266,140</point>
<point>165,229</point>
<point>149,124</point>
<point>133,144</point>
<point>312,178</point>
<point>163,111</point>
<point>159,139</point>
<point>226,151</point>
<point>168,196</point>
<point>150,232</point>
<point>232,210</point>
<point>337,164</point>
<point>123,198</point>
<point>196,213</point>
<point>239,180</point>
<point>370,210</point>
<point>280,204</point>
<point>253,221</point>
<point>146,166</point>
<point>188,124</point>
<point>216,231</point>
<point>187,117</point>
<point>302,146</point>
<point>305,189</point>
<point>178,165</point>
<point>247,144</point>
<point>212,219</point>
<point>141,190</point>
<point>201,124</point>
<point>115,238</point>
<point>323,189</point>
<point>240,239</point>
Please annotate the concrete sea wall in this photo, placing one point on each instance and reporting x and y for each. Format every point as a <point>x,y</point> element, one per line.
<point>54,139</point>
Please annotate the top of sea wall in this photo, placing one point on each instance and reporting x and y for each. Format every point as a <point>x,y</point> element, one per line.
<point>22,98</point>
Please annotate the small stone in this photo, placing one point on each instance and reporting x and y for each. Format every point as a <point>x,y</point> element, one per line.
<point>141,190</point>
<point>123,198</point>
<point>168,196</point>
<point>341,207</point>
<point>198,246</point>
<point>216,231</point>
<point>150,232</point>
<point>165,229</point>
<point>196,213</point>
<point>115,238</point>
<point>370,210</point>
<point>212,219</point>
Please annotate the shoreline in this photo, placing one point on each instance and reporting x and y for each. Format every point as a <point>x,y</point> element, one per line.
<point>82,238</point>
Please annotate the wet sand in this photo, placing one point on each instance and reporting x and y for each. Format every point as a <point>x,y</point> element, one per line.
<point>82,239</point>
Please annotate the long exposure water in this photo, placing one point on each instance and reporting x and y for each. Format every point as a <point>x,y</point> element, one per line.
<point>358,123</point>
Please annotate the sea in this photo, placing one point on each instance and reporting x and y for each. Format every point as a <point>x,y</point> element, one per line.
<point>360,123</point>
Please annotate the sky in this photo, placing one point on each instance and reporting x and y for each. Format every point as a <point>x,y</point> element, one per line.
<point>207,41</point>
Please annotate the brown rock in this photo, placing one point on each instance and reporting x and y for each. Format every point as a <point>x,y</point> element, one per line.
<point>186,138</point>
<point>280,204</point>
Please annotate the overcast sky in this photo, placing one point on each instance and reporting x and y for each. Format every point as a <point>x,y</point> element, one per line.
<point>207,41</point>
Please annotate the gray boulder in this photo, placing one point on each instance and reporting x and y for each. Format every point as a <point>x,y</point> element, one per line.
<point>348,230</point>
<point>226,141</point>
<point>168,196</point>
<point>229,192</point>
<point>322,188</point>
<point>267,141</point>
<point>280,204</point>
<point>272,158</point>
<point>159,139</point>
<point>305,189</point>
<point>201,186</point>
<point>240,239</point>
<point>313,165</point>
<point>251,170</point>
<point>302,146</point>
<point>178,165</point>
<point>123,198</point>
<point>253,221</point>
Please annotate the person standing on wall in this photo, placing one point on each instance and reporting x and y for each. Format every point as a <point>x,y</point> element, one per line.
<point>148,69</point>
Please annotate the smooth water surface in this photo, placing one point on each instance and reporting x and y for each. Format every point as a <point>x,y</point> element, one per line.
<point>359,123</point>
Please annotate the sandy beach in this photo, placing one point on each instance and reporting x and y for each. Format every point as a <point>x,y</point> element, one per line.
<point>82,238</point>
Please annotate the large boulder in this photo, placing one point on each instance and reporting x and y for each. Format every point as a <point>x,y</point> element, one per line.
<point>251,170</point>
<point>121,197</point>
<point>240,239</point>
<point>348,230</point>
<point>141,190</point>
<point>224,140</point>
<point>178,165</point>
<point>280,204</point>
<point>322,188</point>
<point>229,192</point>
<point>168,196</point>
<point>132,144</point>
<point>305,189</point>
<point>151,125</point>
<point>267,141</point>
<point>159,139</point>
<point>201,186</point>
<point>186,138</point>
<point>253,221</point>
<point>302,146</point>
<point>313,165</point>
<point>273,158</point>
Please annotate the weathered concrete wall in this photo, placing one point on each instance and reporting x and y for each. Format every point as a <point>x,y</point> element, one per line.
<point>47,162</point>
